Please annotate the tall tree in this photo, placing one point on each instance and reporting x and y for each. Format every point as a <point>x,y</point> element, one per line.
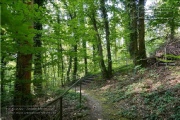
<point>131,5</point>
<point>69,68</point>
<point>137,31</point>
<point>85,57</point>
<point>37,82</point>
<point>107,31</point>
<point>3,66</point>
<point>22,94</point>
<point>99,46</point>
<point>141,34</point>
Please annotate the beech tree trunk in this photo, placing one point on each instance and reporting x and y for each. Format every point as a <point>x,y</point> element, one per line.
<point>94,57</point>
<point>172,27</point>
<point>133,45</point>
<point>75,46</point>
<point>38,61</point>
<point>3,66</point>
<point>142,50</point>
<point>69,68</point>
<point>75,62</point>
<point>100,50</point>
<point>22,92</point>
<point>107,31</point>
<point>38,58</point>
<point>85,58</point>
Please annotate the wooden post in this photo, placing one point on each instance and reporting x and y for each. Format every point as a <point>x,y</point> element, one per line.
<point>61,109</point>
<point>80,95</point>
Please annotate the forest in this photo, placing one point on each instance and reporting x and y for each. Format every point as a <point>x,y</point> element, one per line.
<point>90,59</point>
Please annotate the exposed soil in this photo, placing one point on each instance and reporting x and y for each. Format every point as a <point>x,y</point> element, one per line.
<point>95,107</point>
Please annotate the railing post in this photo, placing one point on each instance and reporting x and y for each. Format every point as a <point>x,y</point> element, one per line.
<point>61,109</point>
<point>75,88</point>
<point>80,93</point>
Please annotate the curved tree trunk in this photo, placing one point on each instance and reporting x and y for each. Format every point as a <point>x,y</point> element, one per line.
<point>100,50</point>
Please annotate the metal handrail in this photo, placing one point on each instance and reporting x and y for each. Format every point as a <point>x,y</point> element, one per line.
<point>59,98</point>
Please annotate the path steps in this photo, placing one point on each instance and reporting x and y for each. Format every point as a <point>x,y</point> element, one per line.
<point>89,79</point>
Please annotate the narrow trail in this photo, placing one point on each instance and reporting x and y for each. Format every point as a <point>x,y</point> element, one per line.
<point>94,105</point>
<point>98,109</point>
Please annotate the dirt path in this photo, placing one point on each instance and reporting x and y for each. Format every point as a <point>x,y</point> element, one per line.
<point>95,107</point>
<point>99,110</point>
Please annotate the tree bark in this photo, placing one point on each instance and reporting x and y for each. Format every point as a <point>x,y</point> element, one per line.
<point>172,27</point>
<point>22,86</point>
<point>3,66</point>
<point>75,65</point>
<point>85,57</point>
<point>100,50</point>
<point>142,50</point>
<point>69,68</point>
<point>75,62</point>
<point>38,61</point>
<point>60,53</point>
<point>22,92</point>
<point>38,57</point>
<point>94,57</point>
<point>133,45</point>
<point>107,31</point>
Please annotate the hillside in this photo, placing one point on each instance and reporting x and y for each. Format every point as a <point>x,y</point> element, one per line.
<point>152,93</point>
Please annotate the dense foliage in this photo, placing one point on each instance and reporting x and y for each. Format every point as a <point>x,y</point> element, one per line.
<point>46,44</point>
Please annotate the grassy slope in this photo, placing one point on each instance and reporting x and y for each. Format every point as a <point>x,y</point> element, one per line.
<point>152,93</point>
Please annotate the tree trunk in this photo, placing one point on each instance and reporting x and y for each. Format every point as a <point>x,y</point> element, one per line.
<point>38,61</point>
<point>107,31</point>
<point>94,58</point>
<point>100,50</point>
<point>75,62</point>
<point>85,57</point>
<point>142,50</point>
<point>22,85</point>
<point>62,64</point>
<point>3,65</point>
<point>133,28</point>
<point>22,92</point>
<point>75,66</point>
<point>60,53</point>
<point>172,27</point>
<point>69,68</point>
<point>38,58</point>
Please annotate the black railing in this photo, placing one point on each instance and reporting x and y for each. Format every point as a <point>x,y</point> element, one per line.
<point>54,109</point>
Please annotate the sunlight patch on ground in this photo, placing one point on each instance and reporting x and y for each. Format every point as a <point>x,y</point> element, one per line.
<point>135,88</point>
<point>106,87</point>
<point>174,81</point>
<point>143,86</point>
<point>156,86</point>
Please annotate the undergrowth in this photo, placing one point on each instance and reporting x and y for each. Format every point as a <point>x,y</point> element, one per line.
<point>151,94</point>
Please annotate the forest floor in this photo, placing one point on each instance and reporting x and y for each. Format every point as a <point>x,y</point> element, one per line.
<point>147,93</point>
<point>151,93</point>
